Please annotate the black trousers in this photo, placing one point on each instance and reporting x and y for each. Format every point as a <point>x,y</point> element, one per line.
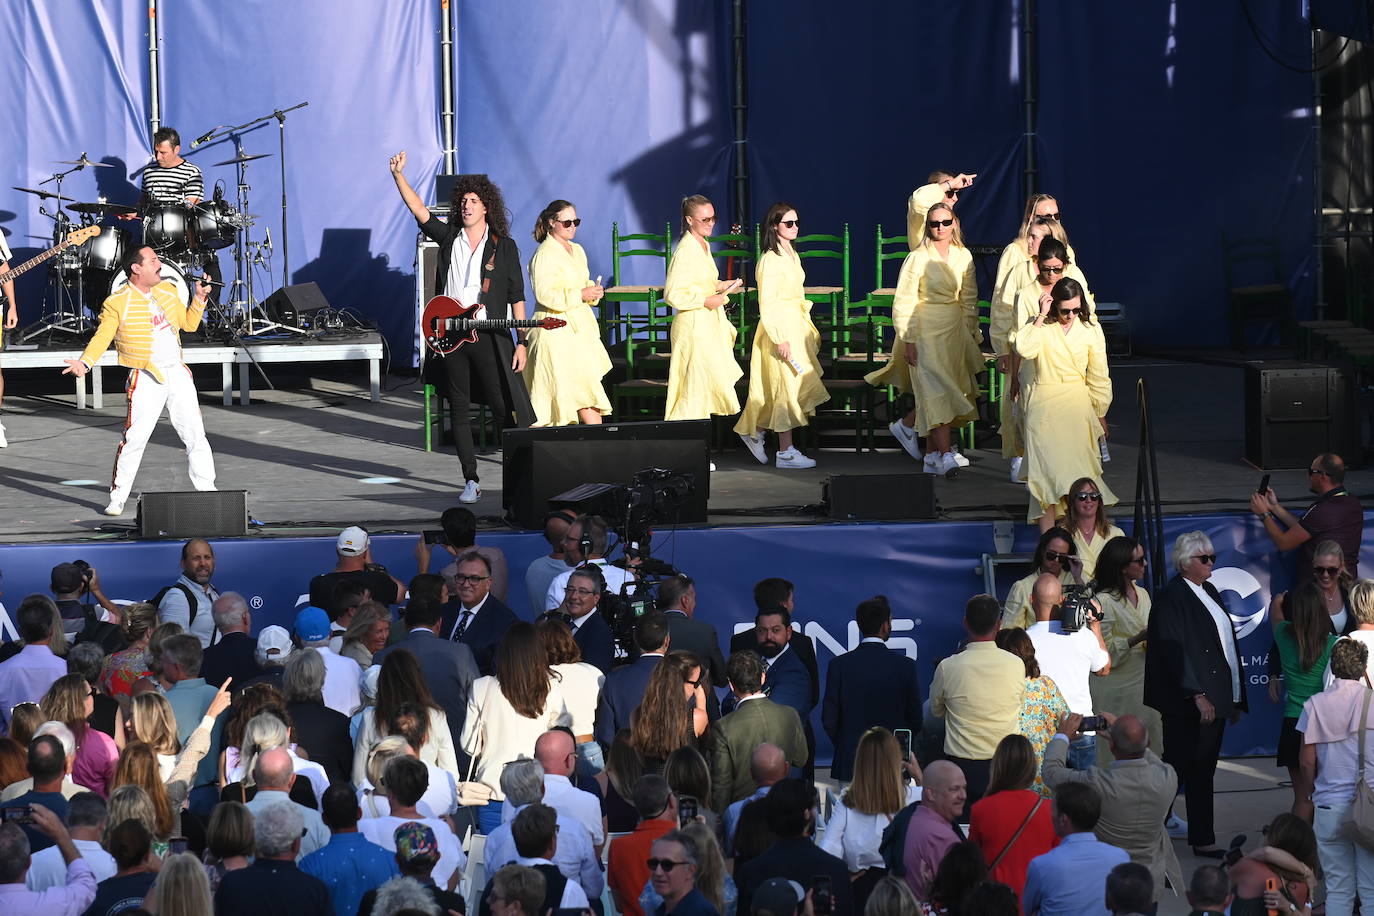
<point>474,367</point>
<point>1192,749</point>
<point>976,775</point>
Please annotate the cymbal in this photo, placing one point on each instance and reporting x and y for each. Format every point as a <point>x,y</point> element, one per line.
<point>86,162</point>
<point>237,159</point>
<point>42,195</point>
<point>103,209</point>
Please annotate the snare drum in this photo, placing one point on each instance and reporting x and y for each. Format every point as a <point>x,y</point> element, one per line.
<point>169,272</point>
<point>214,224</point>
<point>170,229</point>
<point>105,251</point>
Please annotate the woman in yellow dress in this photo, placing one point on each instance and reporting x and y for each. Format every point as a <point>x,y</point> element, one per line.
<point>1066,407</point>
<point>1125,616</point>
<point>936,352</point>
<point>1054,554</point>
<point>784,373</point>
<point>566,364</point>
<point>1087,518</point>
<point>702,371</point>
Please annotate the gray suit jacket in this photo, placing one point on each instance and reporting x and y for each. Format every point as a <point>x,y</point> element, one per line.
<point>1136,795</point>
<point>449,669</point>
<point>734,737</point>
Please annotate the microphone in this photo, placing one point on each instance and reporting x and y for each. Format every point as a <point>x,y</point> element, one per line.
<point>205,136</point>
<point>267,242</point>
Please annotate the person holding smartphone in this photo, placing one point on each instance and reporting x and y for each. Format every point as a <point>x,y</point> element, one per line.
<point>702,372</point>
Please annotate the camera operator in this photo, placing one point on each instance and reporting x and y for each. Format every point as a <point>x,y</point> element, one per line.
<point>354,549</point>
<point>1067,635</point>
<point>71,582</point>
<point>585,545</point>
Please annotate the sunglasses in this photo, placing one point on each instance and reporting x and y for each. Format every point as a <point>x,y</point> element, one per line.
<point>940,222</point>
<point>705,219</point>
<point>666,864</point>
<point>1326,570</point>
<point>1208,558</point>
<point>1055,271</point>
<point>1055,556</point>
<point>1085,497</point>
<point>1047,218</point>
<point>789,223</point>
<point>569,223</point>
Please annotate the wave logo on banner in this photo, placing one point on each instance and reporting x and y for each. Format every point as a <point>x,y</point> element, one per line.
<point>1253,610</point>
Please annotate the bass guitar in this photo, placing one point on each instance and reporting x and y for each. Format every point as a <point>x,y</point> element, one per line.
<point>77,237</point>
<point>446,326</point>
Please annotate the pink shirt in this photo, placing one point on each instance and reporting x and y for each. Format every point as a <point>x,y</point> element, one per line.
<point>96,758</point>
<point>928,837</point>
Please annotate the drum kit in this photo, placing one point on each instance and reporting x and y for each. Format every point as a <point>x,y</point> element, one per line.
<point>186,236</point>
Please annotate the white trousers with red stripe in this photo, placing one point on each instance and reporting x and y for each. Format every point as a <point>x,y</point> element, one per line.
<point>147,397</point>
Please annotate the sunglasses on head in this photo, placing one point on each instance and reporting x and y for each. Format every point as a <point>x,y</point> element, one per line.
<point>1085,496</point>
<point>789,223</point>
<point>940,222</point>
<point>569,223</point>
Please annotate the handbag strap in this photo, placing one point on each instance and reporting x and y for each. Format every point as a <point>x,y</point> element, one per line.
<point>1364,727</point>
<point>1017,835</point>
<point>477,729</point>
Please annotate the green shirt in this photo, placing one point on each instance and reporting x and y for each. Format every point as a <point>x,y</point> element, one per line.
<point>1301,684</point>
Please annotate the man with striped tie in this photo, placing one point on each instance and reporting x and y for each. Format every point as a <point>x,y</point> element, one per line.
<point>475,617</point>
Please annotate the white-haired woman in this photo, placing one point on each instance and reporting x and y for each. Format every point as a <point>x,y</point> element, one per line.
<point>1195,677</point>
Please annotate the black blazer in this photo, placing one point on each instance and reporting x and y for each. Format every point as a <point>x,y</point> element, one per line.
<point>687,634</point>
<point>801,644</point>
<point>620,696</point>
<point>870,685</point>
<point>797,859</point>
<point>449,671</point>
<point>484,633</point>
<point>232,657</point>
<point>597,642</point>
<point>1185,655</point>
<point>323,732</point>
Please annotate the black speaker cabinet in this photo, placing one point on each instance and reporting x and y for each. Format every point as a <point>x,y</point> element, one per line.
<point>850,497</point>
<point>193,514</point>
<point>538,464</point>
<point>289,303</point>
<point>1295,411</point>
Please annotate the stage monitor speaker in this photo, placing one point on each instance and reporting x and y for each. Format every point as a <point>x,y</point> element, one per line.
<point>426,260</point>
<point>852,497</point>
<point>193,514</point>
<point>538,464</point>
<point>288,304</point>
<point>1295,411</point>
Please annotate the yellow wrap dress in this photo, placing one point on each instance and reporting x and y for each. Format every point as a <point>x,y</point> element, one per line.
<point>566,365</point>
<point>1071,390</point>
<point>936,308</point>
<point>780,398</point>
<point>1122,691</point>
<point>1088,548</point>
<point>702,371</point>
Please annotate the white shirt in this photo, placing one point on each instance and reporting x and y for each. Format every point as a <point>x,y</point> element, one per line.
<point>614,575</point>
<point>166,346</point>
<point>308,770</point>
<point>1226,632</point>
<point>382,831</point>
<point>582,683</point>
<point>1067,659</point>
<point>1340,619</point>
<point>46,869</point>
<point>470,613</point>
<point>565,798</point>
<point>854,836</point>
<point>465,272</point>
<point>336,633</point>
<point>574,898</point>
<point>440,798</point>
<point>341,676</point>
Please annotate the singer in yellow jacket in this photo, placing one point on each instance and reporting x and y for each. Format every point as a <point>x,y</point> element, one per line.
<point>784,372</point>
<point>566,365</point>
<point>702,371</point>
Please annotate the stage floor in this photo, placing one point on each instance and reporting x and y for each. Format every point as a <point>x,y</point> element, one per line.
<point>316,454</point>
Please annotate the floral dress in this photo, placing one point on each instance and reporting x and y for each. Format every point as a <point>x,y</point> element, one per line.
<point>1040,712</point>
<point>123,669</point>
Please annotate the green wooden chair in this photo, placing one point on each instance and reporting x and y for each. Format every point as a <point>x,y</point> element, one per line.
<point>740,249</point>
<point>831,318</point>
<point>617,323</point>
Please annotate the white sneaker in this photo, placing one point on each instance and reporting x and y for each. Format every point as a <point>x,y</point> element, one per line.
<point>713,464</point>
<point>906,436</point>
<point>931,464</point>
<point>116,507</point>
<point>949,465</point>
<point>1016,470</point>
<point>794,460</point>
<point>1177,827</point>
<point>755,445</point>
<point>959,458</point>
<point>471,492</point>
<point>3,441</point>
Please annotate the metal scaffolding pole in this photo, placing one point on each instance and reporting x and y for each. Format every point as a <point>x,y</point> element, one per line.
<point>1318,192</point>
<point>741,111</point>
<point>154,70</point>
<point>1029,82</point>
<point>447,79</point>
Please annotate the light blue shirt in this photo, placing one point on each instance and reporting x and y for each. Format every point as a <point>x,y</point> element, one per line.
<point>1071,879</point>
<point>174,609</point>
<point>575,856</point>
<point>350,865</point>
<point>732,814</point>
<point>26,676</point>
<point>316,833</point>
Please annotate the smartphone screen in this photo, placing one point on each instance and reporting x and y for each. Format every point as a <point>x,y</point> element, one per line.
<point>1264,485</point>
<point>904,741</point>
<point>686,810</point>
<point>820,895</point>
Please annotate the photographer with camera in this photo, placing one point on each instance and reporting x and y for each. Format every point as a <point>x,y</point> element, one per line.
<point>354,549</point>
<point>585,545</point>
<point>1067,635</point>
<point>70,583</point>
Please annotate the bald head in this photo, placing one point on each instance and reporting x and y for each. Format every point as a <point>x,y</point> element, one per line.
<point>1130,738</point>
<point>555,752</point>
<point>1047,595</point>
<point>767,765</point>
<point>941,774</point>
<point>273,770</point>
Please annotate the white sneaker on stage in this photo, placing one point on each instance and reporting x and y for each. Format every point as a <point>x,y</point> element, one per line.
<point>794,460</point>
<point>755,446</point>
<point>1177,827</point>
<point>931,464</point>
<point>3,441</point>
<point>906,436</point>
<point>471,492</point>
<point>713,465</point>
<point>1016,470</point>
<point>114,508</point>
<point>959,458</point>
<point>949,465</point>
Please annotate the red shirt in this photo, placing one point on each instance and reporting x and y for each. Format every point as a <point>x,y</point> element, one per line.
<point>625,868</point>
<point>995,819</point>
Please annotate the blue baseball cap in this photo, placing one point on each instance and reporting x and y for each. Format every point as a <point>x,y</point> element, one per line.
<point>312,624</point>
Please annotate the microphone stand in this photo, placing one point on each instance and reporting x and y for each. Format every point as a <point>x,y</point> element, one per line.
<point>234,336</point>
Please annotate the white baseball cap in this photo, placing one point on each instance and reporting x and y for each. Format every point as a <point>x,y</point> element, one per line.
<point>352,542</point>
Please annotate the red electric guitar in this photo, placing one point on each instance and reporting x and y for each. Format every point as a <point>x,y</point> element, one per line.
<point>446,327</point>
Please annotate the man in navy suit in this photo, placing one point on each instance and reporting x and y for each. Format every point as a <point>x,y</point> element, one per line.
<point>591,631</point>
<point>625,685</point>
<point>775,593</point>
<point>788,683</point>
<point>870,685</point>
<point>476,618</point>
<point>448,667</point>
<point>677,599</point>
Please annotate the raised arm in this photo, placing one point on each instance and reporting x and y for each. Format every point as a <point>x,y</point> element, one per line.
<point>412,200</point>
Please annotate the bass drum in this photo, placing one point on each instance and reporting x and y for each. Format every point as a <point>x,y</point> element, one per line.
<point>169,272</point>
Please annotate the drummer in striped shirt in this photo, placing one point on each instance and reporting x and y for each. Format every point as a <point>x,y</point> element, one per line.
<point>172,180</point>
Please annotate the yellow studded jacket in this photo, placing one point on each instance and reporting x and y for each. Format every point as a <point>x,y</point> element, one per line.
<point>127,319</point>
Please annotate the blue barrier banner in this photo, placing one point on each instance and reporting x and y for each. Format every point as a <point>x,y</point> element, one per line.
<point>927,570</point>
